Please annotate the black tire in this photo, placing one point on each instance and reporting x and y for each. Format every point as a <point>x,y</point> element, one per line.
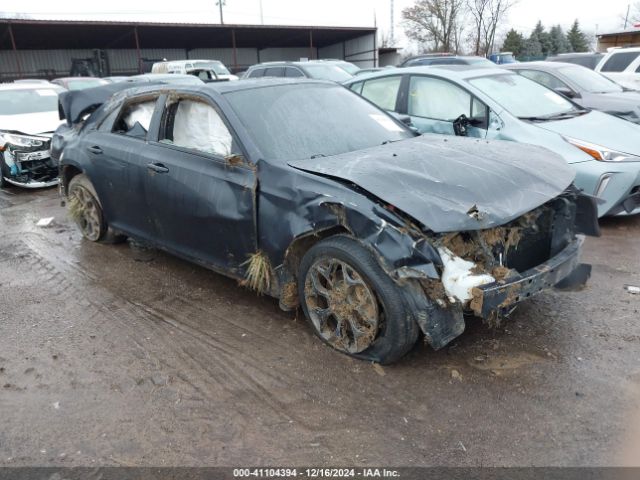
<point>3,182</point>
<point>90,217</point>
<point>396,331</point>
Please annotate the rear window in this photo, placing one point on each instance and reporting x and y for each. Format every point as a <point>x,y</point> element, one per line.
<point>618,62</point>
<point>258,72</point>
<point>292,72</point>
<point>274,72</point>
<point>38,100</point>
<point>85,83</point>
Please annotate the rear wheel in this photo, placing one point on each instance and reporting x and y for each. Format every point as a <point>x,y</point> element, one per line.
<point>86,211</point>
<point>352,304</point>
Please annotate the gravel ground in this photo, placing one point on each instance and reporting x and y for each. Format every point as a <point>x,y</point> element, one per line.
<point>111,355</point>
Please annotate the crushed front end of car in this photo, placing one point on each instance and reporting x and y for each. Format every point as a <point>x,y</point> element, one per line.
<point>488,272</point>
<point>465,227</point>
<point>25,160</point>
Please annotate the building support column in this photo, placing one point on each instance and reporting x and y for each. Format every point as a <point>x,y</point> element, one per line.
<point>135,34</point>
<point>310,44</point>
<point>235,50</point>
<point>15,51</point>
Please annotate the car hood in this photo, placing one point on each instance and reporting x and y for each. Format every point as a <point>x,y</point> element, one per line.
<point>441,181</point>
<point>31,123</point>
<point>624,103</point>
<point>599,128</point>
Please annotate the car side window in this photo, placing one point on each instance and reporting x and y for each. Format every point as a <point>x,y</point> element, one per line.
<point>274,72</point>
<point>257,72</point>
<point>292,72</point>
<point>197,126</point>
<point>544,78</point>
<point>382,91</point>
<point>618,62</point>
<point>135,118</point>
<point>107,123</point>
<point>437,99</point>
<point>479,113</point>
<point>356,87</point>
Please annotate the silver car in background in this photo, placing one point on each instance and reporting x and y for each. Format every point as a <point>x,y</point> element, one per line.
<point>497,104</point>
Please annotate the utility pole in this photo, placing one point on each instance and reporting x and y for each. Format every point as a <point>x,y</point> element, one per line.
<point>221,3</point>
<point>392,28</point>
<point>626,19</point>
<point>261,13</point>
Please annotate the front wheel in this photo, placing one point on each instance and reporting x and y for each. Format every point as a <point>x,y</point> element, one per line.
<point>86,211</point>
<point>352,304</point>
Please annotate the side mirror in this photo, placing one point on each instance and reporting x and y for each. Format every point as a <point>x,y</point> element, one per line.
<point>567,92</point>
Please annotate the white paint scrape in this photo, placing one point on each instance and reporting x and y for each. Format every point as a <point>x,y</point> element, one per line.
<point>457,278</point>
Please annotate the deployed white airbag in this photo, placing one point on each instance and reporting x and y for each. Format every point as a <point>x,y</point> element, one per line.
<point>198,126</point>
<point>457,279</point>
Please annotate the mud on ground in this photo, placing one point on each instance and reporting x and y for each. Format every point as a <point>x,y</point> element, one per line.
<point>117,356</point>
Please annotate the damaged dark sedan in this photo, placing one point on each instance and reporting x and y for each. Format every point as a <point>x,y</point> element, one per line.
<point>307,192</point>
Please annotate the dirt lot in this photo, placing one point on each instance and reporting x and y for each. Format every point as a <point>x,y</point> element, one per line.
<point>115,356</point>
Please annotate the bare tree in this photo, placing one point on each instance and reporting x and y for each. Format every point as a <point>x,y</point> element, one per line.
<point>487,15</point>
<point>434,23</point>
<point>477,10</point>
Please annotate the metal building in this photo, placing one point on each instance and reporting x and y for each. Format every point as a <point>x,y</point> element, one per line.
<point>47,48</point>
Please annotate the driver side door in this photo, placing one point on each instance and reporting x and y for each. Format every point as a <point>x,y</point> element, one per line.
<point>435,105</point>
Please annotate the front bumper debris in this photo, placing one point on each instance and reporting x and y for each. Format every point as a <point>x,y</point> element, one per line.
<point>499,298</point>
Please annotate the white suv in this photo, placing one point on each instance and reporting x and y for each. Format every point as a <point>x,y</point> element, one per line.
<point>622,65</point>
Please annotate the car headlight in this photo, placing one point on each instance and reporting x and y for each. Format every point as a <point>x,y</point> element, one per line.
<point>19,140</point>
<point>601,153</point>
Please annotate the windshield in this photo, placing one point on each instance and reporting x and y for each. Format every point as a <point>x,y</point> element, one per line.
<point>480,62</point>
<point>299,121</point>
<point>589,80</point>
<point>327,72</point>
<point>506,58</point>
<point>81,84</point>
<point>350,68</point>
<point>38,100</point>
<point>217,67</point>
<point>522,97</point>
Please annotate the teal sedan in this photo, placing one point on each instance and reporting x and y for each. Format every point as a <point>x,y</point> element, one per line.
<point>497,104</point>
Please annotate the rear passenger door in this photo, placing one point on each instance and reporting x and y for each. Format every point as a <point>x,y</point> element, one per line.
<point>200,188</point>
<point>435,104</point>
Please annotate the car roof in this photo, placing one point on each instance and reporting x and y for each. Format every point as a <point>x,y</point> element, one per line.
<point>284,63</point>
<point>458,72</point>
<point>29,86</point>
<point>226,87</point>
<point>66,79</point>
<point>623,49</point>
<point>541,65</point>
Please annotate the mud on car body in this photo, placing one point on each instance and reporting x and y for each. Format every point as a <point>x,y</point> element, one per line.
<point>28,116</point>
<point>305,191</point>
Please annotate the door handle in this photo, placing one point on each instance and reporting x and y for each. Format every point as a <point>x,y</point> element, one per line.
<point>157,167</point>
<point>95,149</point>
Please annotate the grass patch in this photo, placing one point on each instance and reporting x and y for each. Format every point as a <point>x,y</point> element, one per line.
<point>258,275</point>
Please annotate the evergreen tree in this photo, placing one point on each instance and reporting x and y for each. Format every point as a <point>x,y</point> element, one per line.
<point>513,42</point>
<point>577,39</point>
<point>559,42</point>
<point>532,47</point>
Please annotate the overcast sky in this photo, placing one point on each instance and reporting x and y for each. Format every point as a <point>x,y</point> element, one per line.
<point>592,14</point>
